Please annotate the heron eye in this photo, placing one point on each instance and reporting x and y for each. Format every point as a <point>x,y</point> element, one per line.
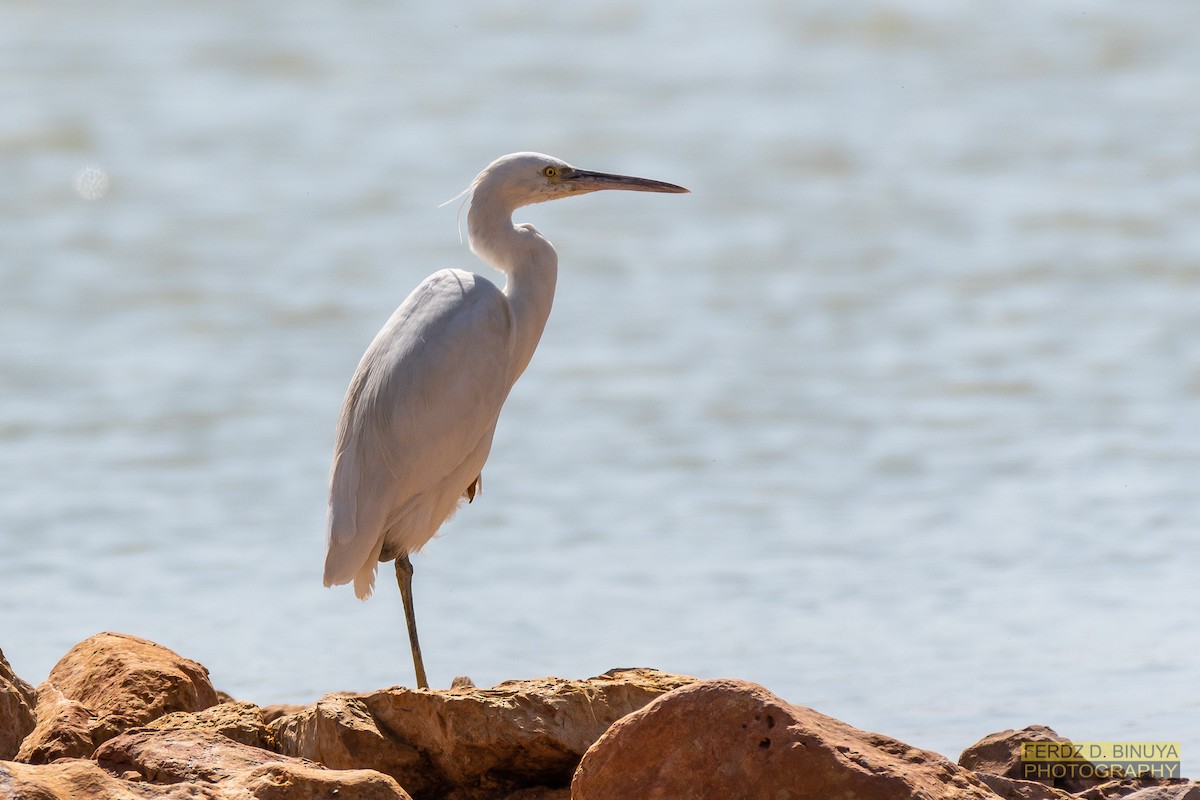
<point>550,172</point>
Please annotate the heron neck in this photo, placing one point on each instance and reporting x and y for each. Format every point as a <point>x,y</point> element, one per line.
<point>530,265</point>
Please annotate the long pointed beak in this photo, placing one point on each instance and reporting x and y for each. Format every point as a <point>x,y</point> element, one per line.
<point>587,181</point>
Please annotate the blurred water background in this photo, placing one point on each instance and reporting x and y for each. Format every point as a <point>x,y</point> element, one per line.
<point>897,414</point>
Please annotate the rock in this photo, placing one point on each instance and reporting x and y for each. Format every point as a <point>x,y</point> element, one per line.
<point>179,755</point>
<point>474,742</point>
<point>727,738</point>
<point>1180,790</point>
<point>17,701</point>
<point>241,722</point>
<point>129,681</point>
<point>77,779</point>
<point>286,779</point>
<point>340,732</point>
<point>1143,789</point>
<point>204,758</point>
<point>1000,754</point>
<point>537,793</point>
<point>63,730</point>
<point>1013,789</point>
<point>274,712</point>
<point>105,685</point>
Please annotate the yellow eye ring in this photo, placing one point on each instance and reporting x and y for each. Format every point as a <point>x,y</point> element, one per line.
<point>550,172</point>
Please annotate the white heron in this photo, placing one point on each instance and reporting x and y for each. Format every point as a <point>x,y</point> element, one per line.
<point>418,419</point>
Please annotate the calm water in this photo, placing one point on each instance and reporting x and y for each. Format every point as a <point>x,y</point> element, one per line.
<point>897,414</point>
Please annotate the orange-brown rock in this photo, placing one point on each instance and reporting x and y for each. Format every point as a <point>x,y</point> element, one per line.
<point>242,722</point>
<point>340,732</point>
<point>1142,789</point>
<point>726,738</point>
<point>63,730</point>
<point>1000,754</point>
<point>17,701</point>
<point>191,766</point>
<point>203,758</point>
<point>273,712</point>
<point>80,779</point>
<point>474,742</point>
<point>1013,789</point>
<point>108,684</point>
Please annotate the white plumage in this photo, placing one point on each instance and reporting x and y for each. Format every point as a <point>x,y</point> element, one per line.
<point>417,423</point>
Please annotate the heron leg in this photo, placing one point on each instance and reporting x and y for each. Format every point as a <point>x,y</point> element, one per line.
<point>404,573</point>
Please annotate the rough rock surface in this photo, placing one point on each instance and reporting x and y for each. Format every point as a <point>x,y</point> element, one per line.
<point>77,779</point>
<point>1013,789</point>
<point>63,730</point>
<point>80,779</point>
<point>204,758</point>
<point>1000,754</point>
<point>154,728</point>
<point>996,760</point>
<point>241,722</point>
<point>1184,790</point>
<point>274,712</point>
<point>17,701</point>
<point>475,742</point>
<point>728,738</point>
<point>1142,789</point>
<point>108,684</point>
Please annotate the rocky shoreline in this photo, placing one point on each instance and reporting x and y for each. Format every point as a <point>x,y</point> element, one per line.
<point>122,718</point>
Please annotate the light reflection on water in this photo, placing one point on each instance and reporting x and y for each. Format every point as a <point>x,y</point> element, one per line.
<point>895,414</point>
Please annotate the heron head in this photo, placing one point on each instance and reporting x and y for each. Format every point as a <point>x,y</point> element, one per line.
<point>520,179</point>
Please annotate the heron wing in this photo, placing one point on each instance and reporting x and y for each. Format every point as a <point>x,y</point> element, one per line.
<point>426,393</point>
